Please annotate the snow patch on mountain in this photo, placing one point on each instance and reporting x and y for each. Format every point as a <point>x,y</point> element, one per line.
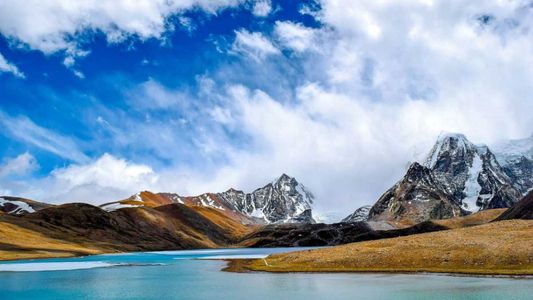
<point>13,207</point>
<point>472,187</point>
<point>117,205</point>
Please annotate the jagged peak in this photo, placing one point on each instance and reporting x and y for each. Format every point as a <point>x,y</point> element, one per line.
<point>415,167</point>
<point>444,135</point>
<point>283,177</point>
<point>417,172</point>
<point>447,141</point>
<point>232,190</point>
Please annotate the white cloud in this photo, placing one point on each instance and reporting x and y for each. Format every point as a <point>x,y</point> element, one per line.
<point>253,44</point>
<point>62,25</point>
<point>8,67</point>
<point>152,95</point>
<point>102,180</point>
<point>21,165</point>
<point>262,8</point>
<point>24,129</point>
<point>105,179</point>
<point>295,36</point>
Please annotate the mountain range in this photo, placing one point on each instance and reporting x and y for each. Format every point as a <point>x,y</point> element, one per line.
<point>456,178</point>
<point>283,200</point>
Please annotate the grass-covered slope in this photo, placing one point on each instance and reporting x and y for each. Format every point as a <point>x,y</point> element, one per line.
<point>80,229</point>
<point>504,247</point>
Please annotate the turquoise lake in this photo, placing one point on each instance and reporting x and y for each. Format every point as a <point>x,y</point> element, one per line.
<point>188,275</point>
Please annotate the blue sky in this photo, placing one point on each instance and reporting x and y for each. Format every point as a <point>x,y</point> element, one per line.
<point>52,96</point>
<point>99,101</point>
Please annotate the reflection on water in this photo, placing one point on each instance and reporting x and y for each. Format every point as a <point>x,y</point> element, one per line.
<point>179,275</point>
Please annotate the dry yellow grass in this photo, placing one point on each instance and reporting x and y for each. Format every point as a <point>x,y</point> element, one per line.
<point>504,247</point>
<point>25,244</point>
<point>224,220</point>
<point>481,217</point>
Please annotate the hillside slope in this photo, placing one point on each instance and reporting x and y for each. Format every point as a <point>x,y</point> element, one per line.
<point>522,209</point>
<point>504,247</point>
<point>78,229</point>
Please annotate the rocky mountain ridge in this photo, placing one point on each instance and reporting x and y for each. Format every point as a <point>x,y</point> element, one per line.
<point>457,178</point>
<point>284,200</point>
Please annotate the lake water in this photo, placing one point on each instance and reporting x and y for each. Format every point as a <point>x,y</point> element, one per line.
<point>185,275</point>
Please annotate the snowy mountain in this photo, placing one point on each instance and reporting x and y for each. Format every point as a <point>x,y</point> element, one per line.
<point>284,200</point>
<point>471,174</point>
<point>359,215</point>
<point>516,159</point>
<point>456,178</point>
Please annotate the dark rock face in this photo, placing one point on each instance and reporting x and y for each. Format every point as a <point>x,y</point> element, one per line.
<point>522,209</point>
<point>301,235</point>
<point>416,198</point>
<point>359,215</point>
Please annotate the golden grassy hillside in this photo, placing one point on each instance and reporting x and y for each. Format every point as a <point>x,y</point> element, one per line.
<point>478,218</point>
<point>82,229</point>
<point>22,243</point>
<point>504,247</point>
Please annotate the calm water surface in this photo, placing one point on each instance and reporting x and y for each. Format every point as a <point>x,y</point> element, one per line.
<point>181,275</point>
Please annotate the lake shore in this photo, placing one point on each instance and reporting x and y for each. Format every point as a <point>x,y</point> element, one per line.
<point>499,248</point>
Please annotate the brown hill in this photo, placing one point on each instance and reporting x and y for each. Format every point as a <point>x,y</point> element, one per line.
<point>522,209</point>
<point>78,229</point>
<point>504,247</point>
<point>300,235</point>
<point>83,228</point>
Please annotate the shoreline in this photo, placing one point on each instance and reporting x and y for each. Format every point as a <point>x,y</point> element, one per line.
<point>245,266</point>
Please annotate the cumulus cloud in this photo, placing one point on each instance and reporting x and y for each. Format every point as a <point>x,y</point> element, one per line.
<point>23,164</point>
<point>262,8</point>
<point>8,67</point>
<point>105,179</point>
<point>253,44</point>
<point>50,26</point>
<point>62,25</point>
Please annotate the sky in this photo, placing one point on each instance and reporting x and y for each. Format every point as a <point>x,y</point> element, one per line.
<point>101,99</point>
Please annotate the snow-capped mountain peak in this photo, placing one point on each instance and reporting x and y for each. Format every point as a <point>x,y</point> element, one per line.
<point>359,215</point>
<point>470,173</point>
<point>449,144</point>
<point>457,177</point>
<point>283,200</point>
